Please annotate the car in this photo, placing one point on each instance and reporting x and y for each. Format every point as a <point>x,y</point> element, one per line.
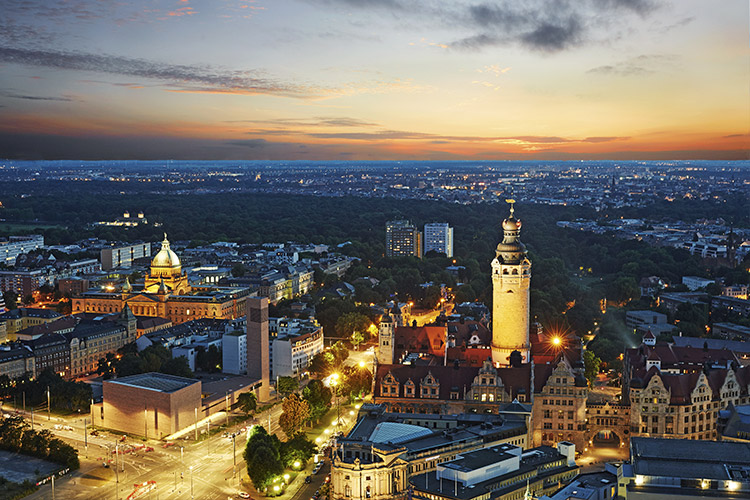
<point>243,494</point>
<point>105,465</point>
<point>149,448</point>
<point>328,478</point>
<point>308,479</point>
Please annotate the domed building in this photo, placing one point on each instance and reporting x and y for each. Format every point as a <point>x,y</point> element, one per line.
<point>166,268</point>
<point>166,293</point>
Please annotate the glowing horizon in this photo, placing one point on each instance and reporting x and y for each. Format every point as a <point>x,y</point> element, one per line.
<point>375,80</point>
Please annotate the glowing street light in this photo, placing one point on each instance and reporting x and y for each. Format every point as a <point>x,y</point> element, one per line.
<point>556,341</point>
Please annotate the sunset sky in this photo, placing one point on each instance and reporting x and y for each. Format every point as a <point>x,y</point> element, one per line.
<point>374,79</point>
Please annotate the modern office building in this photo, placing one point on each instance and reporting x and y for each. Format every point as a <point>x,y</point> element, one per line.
<point>124,256</point>
<point>438,237</point>
<point>402,239</point>
<point>234,353</point>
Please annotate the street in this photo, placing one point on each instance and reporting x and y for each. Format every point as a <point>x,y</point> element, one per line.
<point>203,470</point>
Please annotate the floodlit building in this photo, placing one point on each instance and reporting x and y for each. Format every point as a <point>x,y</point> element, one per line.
<point>153,405</point>
<point>384,451</point>
<point>511,277</point>
<point>167,293</point>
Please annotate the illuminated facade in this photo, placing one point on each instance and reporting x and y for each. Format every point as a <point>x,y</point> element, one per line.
<point>166,293</point>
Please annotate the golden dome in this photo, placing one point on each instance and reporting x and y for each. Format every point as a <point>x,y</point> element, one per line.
<point>165,258</point>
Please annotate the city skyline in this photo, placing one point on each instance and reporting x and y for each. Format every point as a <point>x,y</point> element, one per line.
<point>376,79</point>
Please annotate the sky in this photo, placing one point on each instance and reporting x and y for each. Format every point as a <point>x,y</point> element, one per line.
<point>375,79</point>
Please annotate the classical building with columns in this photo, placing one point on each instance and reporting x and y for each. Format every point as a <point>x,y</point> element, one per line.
<point>166,293</point>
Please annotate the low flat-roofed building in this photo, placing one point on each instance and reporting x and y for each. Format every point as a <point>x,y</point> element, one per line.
<point>600,485</point>
<point>643,320</point>
<point>685,469</point>
<point>154,405</point>
<point>501,472</point>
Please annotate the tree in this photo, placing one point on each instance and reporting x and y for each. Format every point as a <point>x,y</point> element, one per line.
<point>262,458</point>
<point>248,402</point>
<point>178,366</point>
<point>318,397</point>
<point>353,325</point>
<point>321,364</point>
<point>10,299</point>
<point>339,352</point>
<point>591,366</point>
<point>622,290</point>
<point>296,412</point>
<point>286,386</point>
<point>238,270</point>
<point>298,448</point>
<point>357,382</point>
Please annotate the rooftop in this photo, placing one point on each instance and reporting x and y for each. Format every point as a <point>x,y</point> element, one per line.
<point>689,459</point>
<point>153,381</point>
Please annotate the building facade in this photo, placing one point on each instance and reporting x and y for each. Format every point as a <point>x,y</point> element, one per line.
<point>402,239</point>
<point>24,282</point>
<point>234,353</point>
<point>438,237</point>
<point>292,353</point>
<point>17,245</point>
<point>16,360</point>
<point>92,340</point>
<point>123,256</point>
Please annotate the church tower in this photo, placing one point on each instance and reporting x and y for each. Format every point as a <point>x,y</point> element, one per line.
<point>511,276</point>
<point>386,340</point>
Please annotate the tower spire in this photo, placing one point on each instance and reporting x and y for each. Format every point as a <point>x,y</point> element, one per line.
<point>512,202</point>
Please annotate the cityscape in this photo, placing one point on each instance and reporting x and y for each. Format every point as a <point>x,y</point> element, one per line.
<point>374,250</point>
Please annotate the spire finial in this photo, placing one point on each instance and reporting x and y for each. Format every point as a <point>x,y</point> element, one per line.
<point>512,202</point>
<point>165,236</point>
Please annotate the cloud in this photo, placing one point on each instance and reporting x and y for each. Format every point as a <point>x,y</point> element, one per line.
<point>179,78</point>
<point>324,121</point>
<point>637,66</point>
<point>554,36</point>
<point>539,25</point>
<point>249,143</point>
<point>37,98</point>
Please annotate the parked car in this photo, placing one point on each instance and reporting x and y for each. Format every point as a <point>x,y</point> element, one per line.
<point>308,479</point>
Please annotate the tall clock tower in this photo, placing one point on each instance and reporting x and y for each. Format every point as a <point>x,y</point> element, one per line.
<point>511,276</point>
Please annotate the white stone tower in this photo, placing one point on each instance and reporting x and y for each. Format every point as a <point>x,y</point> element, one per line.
<point>386,340</point>
<point>511,276</point>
